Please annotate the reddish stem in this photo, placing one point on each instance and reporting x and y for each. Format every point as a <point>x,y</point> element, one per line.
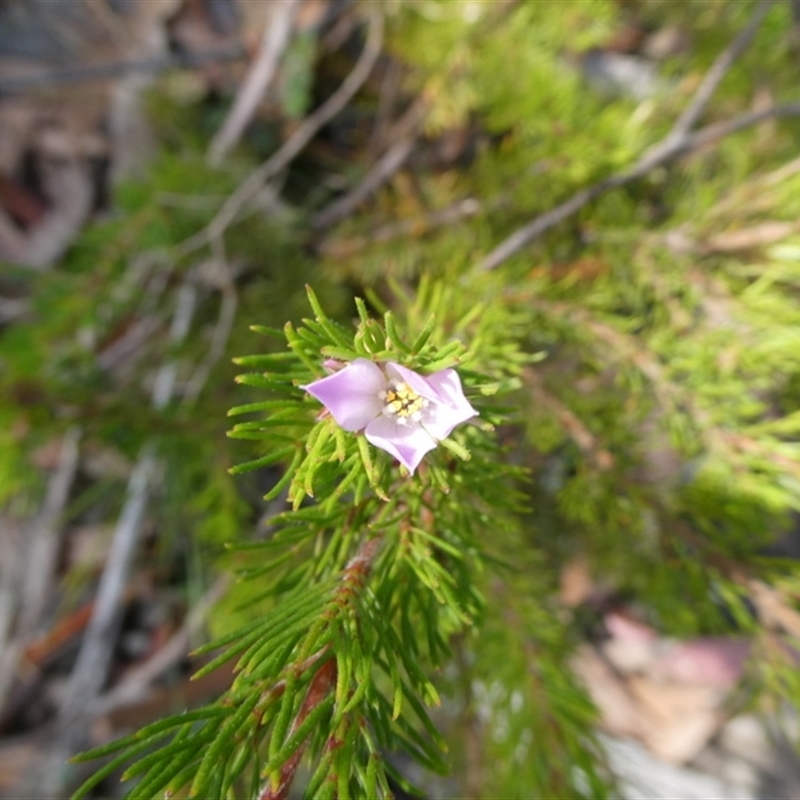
<point>321,685</point>
<point>324,681</point>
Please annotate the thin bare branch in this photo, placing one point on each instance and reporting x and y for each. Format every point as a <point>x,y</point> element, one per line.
<point>719,69</point>
<point>11,537</point>
<point>94,658</point>
<point>386,166</point>
<point>676,143</point>
<point>222,331</point>
<point>92,664</point>
<point>129,344</point>
<point>544,222</point>
<point>719,130</point>
<point>461,209</point>
<point>658,156</point>
<point>165,378</point>
<point>274,41</point>
<point>136,683</point>
<point>250,188</point>
<point>421,224</point>
<point>44,539</point>
<point>91,667</point>
<point>575,428</point>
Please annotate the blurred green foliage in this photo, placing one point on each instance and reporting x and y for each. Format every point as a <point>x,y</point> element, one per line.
<point>656,405</point>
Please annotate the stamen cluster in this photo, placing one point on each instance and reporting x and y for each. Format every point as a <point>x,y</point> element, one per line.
<point>403,402</point>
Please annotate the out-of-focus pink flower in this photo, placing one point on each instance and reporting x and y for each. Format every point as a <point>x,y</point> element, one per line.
<point>399,410</point>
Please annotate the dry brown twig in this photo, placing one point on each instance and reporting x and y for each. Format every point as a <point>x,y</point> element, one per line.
<point>219,339</point>
<point>30,595</point>
<point>424,223</point>
<point>94,658</point>
<point>384,168</point>
<point>345,248</point>
<point>389,96</point>
<point>43,544</point>
<point>260,76</point>
<point>719,69</point>
<point>233,208</point>
<point>575,428</point>
<point>676,143</point>
<point>138,680</point>
<point>91,668</point>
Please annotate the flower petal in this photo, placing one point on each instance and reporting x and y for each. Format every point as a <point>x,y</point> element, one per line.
<point>352,394</point>
<point>407,443</point>
<point>451,407</point>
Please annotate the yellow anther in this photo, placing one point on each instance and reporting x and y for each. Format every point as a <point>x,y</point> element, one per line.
<point>402,401</point>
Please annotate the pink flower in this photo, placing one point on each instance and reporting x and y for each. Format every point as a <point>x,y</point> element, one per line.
<point>399,410</point>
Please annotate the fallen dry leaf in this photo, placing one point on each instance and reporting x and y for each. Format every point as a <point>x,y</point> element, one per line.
<point>674,721</point>
<point>620,714</point>
<point>668,694</point>
<point>679,720</point>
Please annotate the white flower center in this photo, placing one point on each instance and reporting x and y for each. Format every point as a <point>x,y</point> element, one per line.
<point>403,403</point>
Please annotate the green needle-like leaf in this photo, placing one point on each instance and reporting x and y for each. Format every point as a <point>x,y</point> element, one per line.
<point>223,743</point>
